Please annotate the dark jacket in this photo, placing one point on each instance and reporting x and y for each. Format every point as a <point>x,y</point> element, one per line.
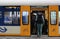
<point>39,19</point>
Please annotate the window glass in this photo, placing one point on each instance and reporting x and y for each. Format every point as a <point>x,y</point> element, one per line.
<point>53,17</point>
<point>25,17</point>
<point>8,17</point>
<point>16,17</point>
<point>12,16</point>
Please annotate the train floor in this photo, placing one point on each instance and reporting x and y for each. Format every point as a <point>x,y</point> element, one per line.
<point>31,37</point>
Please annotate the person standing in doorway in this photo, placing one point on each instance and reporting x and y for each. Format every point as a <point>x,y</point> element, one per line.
<point>33,23</point>
<point>40,23</point>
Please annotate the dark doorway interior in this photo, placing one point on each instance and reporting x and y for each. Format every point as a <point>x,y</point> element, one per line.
<point>34,26</point>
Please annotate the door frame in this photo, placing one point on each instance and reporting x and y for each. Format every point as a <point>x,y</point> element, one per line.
<point>41,9</point>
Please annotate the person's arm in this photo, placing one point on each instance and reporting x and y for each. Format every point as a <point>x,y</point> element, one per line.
<point>43,20</point>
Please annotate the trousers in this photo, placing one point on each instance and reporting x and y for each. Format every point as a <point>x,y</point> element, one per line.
<point>39,29</point>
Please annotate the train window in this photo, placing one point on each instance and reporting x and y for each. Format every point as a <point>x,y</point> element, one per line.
<point>8,17</point>
<point>12,17</point>
<point>25,17</point>
<point>16,17</point>
<point>53,17</point>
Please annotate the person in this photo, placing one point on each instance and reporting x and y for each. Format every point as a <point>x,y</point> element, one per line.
<point>40,23</point>
<point>45,27</point>
<point>34,22</point>
<point>46,24</point>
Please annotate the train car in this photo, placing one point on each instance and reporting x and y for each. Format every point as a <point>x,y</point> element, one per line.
<point>17,20</point>
<point>17,17</point>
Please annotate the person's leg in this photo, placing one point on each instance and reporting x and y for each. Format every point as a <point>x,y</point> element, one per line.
<point>41,29</point>
<point>38,30</point>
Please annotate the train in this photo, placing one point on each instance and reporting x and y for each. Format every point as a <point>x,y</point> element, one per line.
<point>17,20</point>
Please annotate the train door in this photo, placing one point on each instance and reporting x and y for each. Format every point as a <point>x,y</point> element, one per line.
<point>53,20</point>
<point>25,21</point>
<point>34,26</point>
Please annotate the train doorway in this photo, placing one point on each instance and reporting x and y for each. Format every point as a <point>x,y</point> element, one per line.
<point>34,24</point>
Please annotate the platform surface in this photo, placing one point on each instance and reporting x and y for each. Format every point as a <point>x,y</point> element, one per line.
<point>32,37</point>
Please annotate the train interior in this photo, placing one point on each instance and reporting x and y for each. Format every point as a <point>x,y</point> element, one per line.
<point>34,24</point>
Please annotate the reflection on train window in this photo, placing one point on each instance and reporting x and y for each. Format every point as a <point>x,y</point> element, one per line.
<point>15,17</point>
<point>8,17</point>
<point>53,17</point>
<point>12,17</point>
<point>25,17</point>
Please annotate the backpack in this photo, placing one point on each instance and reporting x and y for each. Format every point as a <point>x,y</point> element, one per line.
<point>39,19</point>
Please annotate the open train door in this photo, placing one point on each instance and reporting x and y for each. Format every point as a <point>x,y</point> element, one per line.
<point>53,20</point>
<point>35,10</point>
<point>25,20</point>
